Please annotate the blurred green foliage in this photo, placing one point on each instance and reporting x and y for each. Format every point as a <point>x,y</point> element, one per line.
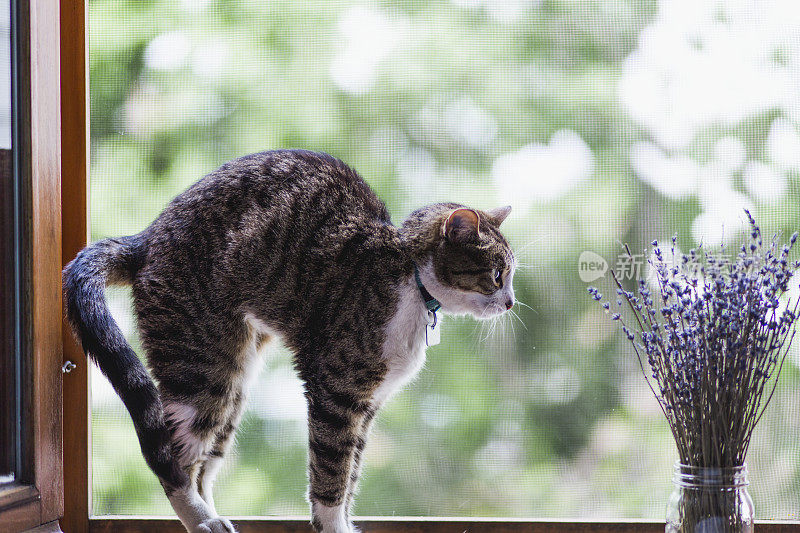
<point>547,416</point>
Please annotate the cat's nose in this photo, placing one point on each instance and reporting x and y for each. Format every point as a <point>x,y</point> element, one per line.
<point>509,303</point>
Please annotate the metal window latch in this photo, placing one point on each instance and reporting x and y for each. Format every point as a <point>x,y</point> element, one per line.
<point>67,367</point>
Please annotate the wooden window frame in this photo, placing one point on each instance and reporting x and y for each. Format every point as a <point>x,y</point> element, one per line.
<point>35,499</point>
<point>77,420</point>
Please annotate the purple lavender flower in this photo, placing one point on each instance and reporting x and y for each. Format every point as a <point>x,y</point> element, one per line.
<point>715,336</point>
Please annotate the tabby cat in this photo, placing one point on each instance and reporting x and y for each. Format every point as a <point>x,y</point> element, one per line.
<point>290,244</point>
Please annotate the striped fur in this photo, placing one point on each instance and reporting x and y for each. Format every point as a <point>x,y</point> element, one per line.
<point>292,244</point>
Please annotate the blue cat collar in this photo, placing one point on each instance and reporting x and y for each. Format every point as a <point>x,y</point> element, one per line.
<point>431,303</point>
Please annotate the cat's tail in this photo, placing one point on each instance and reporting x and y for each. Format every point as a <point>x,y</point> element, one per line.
<point>107,262</point>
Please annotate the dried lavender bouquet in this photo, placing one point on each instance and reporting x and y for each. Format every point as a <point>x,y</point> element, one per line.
<point>714,334</point>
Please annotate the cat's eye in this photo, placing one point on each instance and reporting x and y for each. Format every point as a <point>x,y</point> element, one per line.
<point>497,277</point>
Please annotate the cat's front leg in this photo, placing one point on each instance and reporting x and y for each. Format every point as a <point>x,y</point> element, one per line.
<point>334,427</point>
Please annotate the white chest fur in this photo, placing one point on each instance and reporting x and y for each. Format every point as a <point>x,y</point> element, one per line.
<point>404,347</point>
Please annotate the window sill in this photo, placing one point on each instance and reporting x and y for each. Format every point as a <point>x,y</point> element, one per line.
<point>124,524</point>
<point>20,506</point>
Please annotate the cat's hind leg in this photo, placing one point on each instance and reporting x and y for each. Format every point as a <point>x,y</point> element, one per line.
<point>223,439</point>
<point>191,448</point>
<point>224,434</point>
<point>211,432</point>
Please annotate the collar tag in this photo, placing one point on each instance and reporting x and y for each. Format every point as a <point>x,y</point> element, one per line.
<point>433,330</point>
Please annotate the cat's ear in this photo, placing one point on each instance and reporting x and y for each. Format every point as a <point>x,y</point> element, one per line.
<point>462,225</point>
<point>498,214</point>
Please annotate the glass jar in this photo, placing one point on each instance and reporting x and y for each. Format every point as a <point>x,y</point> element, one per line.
<point>710,500</point>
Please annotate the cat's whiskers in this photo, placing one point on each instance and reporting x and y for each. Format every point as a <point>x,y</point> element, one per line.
<point>514,315</point>
<point>490,323</point>
<point>523,304</point>
<point>478,324</point>
<point>495,322</point>
<point>493,327</point>
<point>508,322</point>
<point>486,329</point>
<point>520,253</point>
<point>522,249</point>
<point>529,266</point>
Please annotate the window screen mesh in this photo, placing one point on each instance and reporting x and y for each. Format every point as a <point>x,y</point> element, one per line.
<point>599,122</point>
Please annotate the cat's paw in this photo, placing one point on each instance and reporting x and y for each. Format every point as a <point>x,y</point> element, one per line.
<point>342,527</point>
<point>215,525</point>
<point>350,528</point>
